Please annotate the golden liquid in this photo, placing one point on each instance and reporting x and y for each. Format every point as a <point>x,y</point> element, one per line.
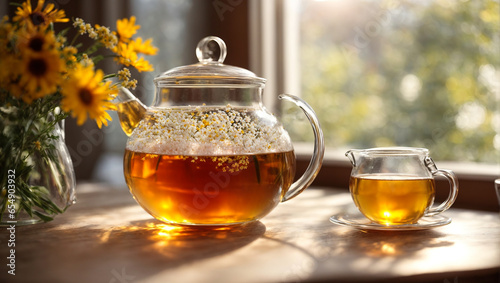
<point>208,190</point>
<point>130,114</point>
<point>392,199</point>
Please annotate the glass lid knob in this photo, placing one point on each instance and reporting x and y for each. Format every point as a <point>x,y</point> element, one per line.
<point>211,49</point>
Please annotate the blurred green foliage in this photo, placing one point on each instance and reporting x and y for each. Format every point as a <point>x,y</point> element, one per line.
<point>403,73</point>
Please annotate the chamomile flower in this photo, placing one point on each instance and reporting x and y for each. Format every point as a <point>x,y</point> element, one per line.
<point>130,84</point>
<point>124,74</point>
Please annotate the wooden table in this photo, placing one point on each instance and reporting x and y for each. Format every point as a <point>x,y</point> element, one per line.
<point>107,237</point>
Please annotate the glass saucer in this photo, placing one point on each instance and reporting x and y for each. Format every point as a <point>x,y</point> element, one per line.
<point>359,221</point>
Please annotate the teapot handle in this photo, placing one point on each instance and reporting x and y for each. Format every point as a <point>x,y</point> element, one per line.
<point>319,149</point>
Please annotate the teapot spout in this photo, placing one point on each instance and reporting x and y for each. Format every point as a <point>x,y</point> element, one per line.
<point>130,110</point>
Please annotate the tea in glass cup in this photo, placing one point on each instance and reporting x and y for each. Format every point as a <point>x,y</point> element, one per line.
<point>395,186</point>
<point>392,199</point>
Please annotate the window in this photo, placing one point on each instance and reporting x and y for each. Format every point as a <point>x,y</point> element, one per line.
<point>388,73</point>
<point>396,73</point>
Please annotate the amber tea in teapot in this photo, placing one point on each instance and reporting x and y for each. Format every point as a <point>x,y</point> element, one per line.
<point>209,189</point>
<point>208,152</point>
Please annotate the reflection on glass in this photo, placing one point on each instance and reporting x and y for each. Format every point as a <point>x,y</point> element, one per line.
<point>167,22</point>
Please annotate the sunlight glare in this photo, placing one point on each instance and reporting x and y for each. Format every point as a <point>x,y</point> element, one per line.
<point>470,116</point>
<point>166,230</point>
<point>387,215</point>
<point>388,249</point>
<point>410,87</point>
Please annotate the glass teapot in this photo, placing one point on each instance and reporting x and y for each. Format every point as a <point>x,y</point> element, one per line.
<point>207,152</point>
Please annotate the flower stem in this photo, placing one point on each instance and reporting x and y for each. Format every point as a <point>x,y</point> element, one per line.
<point>109,76</point>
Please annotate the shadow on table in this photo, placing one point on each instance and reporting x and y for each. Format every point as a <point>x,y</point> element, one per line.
<point>379,253</point>
<point>351,254</point>
<point>185,243</point>
<point>158,246</point>
<point>128,253</point>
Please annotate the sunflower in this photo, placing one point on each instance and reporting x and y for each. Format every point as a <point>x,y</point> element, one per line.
<point>126,28</point>
<point>40,73</point>
<point>39,16</point>
<point>86,95</point>
<point>36,40</point>
<point>6,32</point>
<point>9,76</point>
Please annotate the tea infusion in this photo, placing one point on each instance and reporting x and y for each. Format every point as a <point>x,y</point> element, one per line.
<point>207,166</point>
<point>392,199</point>
<point>209,189</point>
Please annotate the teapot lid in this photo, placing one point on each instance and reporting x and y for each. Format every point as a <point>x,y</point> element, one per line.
<point>210,70</point>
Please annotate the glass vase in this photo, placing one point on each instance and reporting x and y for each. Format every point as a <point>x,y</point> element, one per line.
<point>41,184</point>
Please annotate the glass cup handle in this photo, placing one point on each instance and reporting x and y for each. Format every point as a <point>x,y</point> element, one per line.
<point>452,179</point>
<point>319,149</point>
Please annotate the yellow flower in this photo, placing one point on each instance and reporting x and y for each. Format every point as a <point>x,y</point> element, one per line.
<point>126,54</point>
<point>127,50</point>
<point>9,77</point>
<point>128,57</point>
<point>36,40</point>
<point>39,16</point>
<point>86,95</point>
<point>126,28</point>
<point>41,73</point>
<point>145,47</point>
<point>69,54</point>
<point>142,65</point>
<point>38,145</point>
<point>86,61</point>
<point>6,31</point>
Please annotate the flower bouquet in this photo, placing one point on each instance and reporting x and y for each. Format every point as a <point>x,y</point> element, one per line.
<point>45,78</point>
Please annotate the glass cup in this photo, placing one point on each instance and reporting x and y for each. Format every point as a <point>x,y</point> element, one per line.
<point>395,186</point>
